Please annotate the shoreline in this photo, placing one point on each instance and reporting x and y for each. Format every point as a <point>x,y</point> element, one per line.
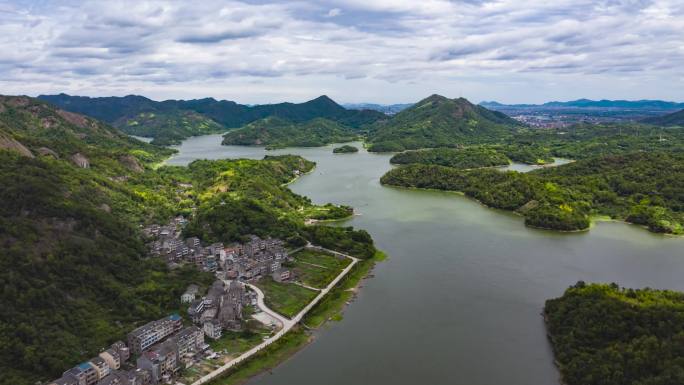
<point>594,219</point>
<point>281,349</point>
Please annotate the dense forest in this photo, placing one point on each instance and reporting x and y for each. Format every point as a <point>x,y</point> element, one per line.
<point>346,149</point>
<point>169,128</point>
<point>440,122</point>
<point>642,188</point>
<point>588,140</point>
<point>74,277</point>
<point>466,158</point>
<point>170,121</point>
<point>74,271</point>
<point>606,335</point>
<point>274,132</point>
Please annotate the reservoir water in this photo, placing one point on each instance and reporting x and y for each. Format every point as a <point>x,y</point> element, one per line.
<point>459,299</point>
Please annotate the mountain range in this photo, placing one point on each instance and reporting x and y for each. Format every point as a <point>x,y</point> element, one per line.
<point>171,121</point>
<point>587,103</point>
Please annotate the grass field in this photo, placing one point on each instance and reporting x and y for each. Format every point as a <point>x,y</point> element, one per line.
<point>330,307</point>
<point>236,342</point>
<point>267,359</point>
<point>317,269</point>
<point>285,298</point>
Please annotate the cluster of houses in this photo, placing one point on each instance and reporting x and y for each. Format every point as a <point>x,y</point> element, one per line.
<point>166,242</point>
<point>256,259</point>
<point>221,308</point>
<point>249,261</point>
<point>162,348</point>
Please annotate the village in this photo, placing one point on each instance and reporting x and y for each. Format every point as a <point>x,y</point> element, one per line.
<point>261,290</point>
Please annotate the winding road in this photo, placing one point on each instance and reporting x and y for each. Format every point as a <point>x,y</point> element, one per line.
<point>286,323</point>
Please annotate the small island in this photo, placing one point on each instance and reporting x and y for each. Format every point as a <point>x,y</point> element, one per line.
<point>346,149</point>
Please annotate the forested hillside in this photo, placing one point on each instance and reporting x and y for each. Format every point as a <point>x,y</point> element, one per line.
<point>170,127</point>
<point>170,121</point>
<point>466,158</point>
<point>441,122</point>
<point>588,140</point>
<point>642,188</point>
<point>673,119</point>
<point>74,270</point>
<point>605,335</point>
<point>275,132</point>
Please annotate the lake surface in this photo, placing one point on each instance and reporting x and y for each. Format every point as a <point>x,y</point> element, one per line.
<point>459,299</point>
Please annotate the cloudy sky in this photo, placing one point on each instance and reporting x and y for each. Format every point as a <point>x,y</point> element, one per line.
<point>386,51</point>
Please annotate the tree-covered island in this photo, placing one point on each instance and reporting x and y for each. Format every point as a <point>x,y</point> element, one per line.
<point>346,149</point>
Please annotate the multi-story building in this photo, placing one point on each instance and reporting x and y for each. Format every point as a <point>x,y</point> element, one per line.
<point>122,349</point>
<point>149,334</point>
<point>84,373</point>
<point>112,358</point>
<point>162,361</point>
<point>189,340</point>
<point>189,294</point>
<point>193,242</point>
<point>213,329</point>
<point>101,367</point>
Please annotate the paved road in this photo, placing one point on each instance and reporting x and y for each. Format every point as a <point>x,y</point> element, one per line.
<point>287,323</point>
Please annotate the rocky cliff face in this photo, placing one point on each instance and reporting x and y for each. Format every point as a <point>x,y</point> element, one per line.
<point>80,160</point>
<point>131,163</point>
<point>9,143</point>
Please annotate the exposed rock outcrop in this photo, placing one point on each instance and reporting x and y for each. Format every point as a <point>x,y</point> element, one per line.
<point>80,160</point>
<point>44,151</point>
<point>75,119</point>
<point>531,205</point>
<point>7,142</point>
<point>131,163</point>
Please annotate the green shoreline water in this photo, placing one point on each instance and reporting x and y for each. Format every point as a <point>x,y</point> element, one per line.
<point>459,301</point>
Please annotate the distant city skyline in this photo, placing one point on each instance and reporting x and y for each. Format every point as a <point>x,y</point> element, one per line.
<point>371,51</point>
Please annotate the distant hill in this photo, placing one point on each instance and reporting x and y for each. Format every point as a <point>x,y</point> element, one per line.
<point>275,132</point>
<point>669,120</point>
<point>440,122</point>
<point>587,103</point>
<point>201,115</point>
<point>387,109</point>
<point>168,127</point>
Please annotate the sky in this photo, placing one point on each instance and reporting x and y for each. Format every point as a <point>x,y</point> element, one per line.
<point>381,51</point>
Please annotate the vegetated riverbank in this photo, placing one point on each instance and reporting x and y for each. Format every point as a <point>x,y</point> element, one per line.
<point>483,261</point>
<point>565,198</point>
<point>329,308</point>
<point>607,335</point>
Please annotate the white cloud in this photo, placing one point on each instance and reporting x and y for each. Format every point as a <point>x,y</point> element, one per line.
<point>353,50</point>
<point>334,12</point>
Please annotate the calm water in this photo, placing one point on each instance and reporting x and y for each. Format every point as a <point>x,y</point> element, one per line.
<point>459,300</point>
